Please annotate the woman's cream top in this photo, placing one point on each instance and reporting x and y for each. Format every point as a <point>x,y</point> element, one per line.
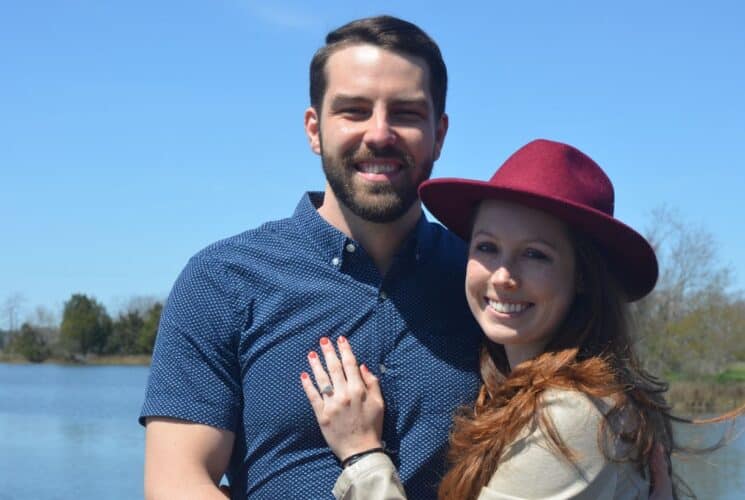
<point>530,468</point>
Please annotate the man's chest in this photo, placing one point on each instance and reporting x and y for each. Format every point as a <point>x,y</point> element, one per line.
<point>413,337</point>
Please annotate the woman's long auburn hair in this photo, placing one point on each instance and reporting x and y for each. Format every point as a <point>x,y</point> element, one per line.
<point>590,352</point>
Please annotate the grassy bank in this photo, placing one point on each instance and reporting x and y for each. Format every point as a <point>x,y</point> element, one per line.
<point>705,397</point>
<point>138,359</point>
<point>688,397</point>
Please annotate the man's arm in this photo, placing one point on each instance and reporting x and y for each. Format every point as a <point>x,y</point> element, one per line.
<point>185,460</point>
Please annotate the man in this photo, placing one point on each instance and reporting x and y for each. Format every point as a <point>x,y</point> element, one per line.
<point>358,260</point>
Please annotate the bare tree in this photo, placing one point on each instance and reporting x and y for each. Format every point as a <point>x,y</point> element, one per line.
<point>11,309</point>
<point>44,317</point>
<point>139,304</point>
<point>688,323</point>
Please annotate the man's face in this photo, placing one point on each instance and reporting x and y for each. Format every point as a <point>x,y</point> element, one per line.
<point>376,132</point>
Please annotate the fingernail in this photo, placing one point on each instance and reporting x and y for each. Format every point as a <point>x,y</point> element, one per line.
<point>324,340</point>
<point>312,355</point>
<point>304,376</point>
<point>365,369</point>
<point>342,339</point>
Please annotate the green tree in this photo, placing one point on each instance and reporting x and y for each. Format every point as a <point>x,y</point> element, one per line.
<point>85,325</point>
<point>125,334</point>
<point>30,343</point>
<point>149,329</point>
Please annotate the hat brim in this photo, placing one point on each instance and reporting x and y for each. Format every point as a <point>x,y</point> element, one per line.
<point>630,257</point>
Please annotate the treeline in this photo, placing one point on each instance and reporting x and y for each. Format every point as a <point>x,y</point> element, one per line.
<point>86,328</point>
<point>691,327</point>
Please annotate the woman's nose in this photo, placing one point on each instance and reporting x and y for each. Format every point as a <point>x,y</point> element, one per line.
<point>505,278</point>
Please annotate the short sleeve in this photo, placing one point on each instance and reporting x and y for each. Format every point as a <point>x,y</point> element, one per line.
<point>531,468</point>
<point>194,374</point>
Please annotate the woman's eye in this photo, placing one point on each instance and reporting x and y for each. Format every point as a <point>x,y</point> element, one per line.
<point>535,254</point>
<point>485,247</point>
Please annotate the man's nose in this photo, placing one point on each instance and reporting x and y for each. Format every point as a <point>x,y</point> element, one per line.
<point>379,133</point>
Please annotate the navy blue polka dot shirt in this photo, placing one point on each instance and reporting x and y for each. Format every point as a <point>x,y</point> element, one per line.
<point>245,312</point>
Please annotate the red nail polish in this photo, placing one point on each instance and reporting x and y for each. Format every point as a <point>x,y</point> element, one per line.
<point>304,376</point>
<point>312,355</point>
<point>342,339</point>
<point>324,340</point>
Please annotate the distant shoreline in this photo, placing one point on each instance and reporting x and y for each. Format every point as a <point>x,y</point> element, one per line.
<point>90,360</point>
<point>688,398</point>
<point>705,397</point>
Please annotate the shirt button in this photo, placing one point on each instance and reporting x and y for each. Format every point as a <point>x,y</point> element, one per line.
<point>382,368</point>
<point>383,295</point>
<point>350,247</point>
<point>335,261</point>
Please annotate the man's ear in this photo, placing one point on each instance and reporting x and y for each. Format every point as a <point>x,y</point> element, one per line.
<point>313,129</point>
<point>441,130</point>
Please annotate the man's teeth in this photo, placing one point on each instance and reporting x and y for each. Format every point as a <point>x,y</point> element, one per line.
<point>377,168</point>
<point>506,307</point>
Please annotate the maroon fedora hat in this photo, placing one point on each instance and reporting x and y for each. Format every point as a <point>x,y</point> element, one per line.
<point>564,182</point>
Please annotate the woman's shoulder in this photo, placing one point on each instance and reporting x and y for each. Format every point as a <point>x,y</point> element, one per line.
<point>573,410</point>
<point>574,416</point>
<point>534,466</point>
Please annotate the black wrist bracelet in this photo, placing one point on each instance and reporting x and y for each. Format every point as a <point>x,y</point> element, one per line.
<point>357,456</point>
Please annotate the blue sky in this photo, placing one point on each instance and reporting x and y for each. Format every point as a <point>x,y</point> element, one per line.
<point>132,134</point>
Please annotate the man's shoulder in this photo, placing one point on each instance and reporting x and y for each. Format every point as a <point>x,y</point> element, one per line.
<point>444,234</point>
<point>444,245</point>
<point>269,236</point>
<point>274,237</point>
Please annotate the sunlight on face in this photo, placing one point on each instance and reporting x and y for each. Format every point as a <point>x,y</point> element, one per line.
<point>520,278</point>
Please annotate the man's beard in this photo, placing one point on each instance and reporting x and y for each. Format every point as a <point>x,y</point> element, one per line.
<point>374,202</point>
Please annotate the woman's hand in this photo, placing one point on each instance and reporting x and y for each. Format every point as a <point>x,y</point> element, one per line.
<point>349,406</point>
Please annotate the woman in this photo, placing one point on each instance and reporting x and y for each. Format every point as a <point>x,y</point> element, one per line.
<point>565,409</point>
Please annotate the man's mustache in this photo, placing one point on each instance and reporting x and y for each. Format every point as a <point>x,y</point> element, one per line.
<point>367,154</point>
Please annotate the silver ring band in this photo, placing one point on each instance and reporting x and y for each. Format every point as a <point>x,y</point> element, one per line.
<point>328,390</point>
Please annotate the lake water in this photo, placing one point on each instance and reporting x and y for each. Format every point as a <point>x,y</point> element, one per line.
<point>72,433</point>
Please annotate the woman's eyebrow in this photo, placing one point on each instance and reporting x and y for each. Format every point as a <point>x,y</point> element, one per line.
<point>526,240</point>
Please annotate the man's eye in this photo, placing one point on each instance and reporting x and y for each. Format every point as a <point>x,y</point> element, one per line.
<point>409,114</point>
<point>354,111</point>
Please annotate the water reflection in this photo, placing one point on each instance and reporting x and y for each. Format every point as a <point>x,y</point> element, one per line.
<point>71,432</point>
<point>719,474</point>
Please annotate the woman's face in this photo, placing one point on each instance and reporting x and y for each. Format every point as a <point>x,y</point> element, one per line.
<point>520,279</point>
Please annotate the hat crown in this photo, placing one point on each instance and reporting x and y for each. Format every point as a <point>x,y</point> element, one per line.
<point>563,182</point>
<point>559,171</point>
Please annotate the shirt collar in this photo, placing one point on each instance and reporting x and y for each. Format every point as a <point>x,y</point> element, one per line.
<point>330,242</point>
